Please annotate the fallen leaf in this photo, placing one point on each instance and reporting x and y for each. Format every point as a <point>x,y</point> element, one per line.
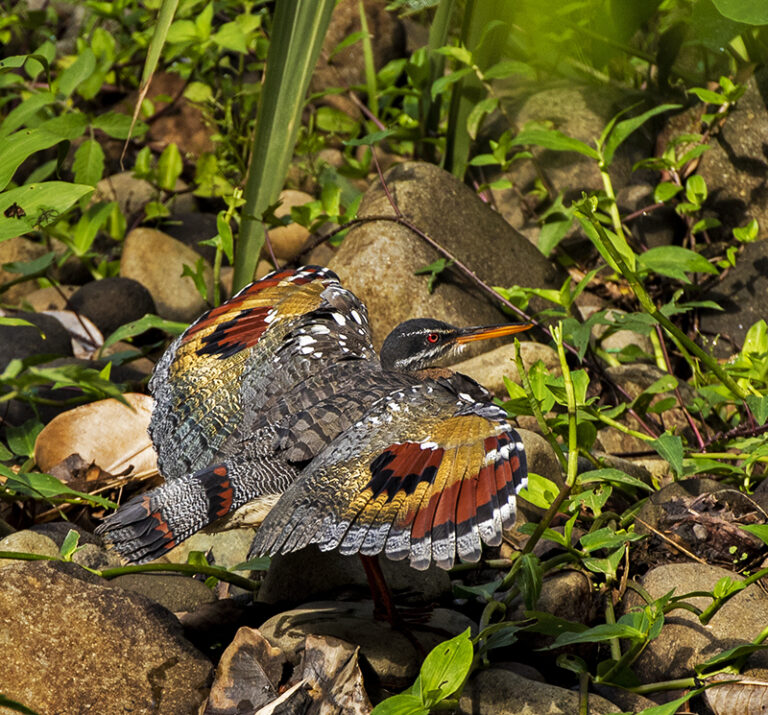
<point>107,433</point>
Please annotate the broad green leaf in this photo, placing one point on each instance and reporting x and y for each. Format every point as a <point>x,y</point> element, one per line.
<point>77,72</point>
<point>231,37</point>
<point>707,95</point>
<point>675,262</point>
<point>759,406</point>
<point>88,165</point>
<point>671,707</point>
<point>696,189</point>
<point>403,704</point>
<point>665,191</point>
<point>670,447</point>
<point>598,634</point>
<point>612,475</point>
<point>19,322</point>
<point>607,538</point>
<point>441,84</point>
<point>445,668</point>
<point>751,12</point>
<point>18,147</point>
<point>137,327</point>
<point>117,125</point>
<point>21,439</point>
<point>507,68</point>
<point>758,530</point>
<point>623,129</point>
<point>260,563</point>
<point>553,139</point>
<point>47,487</point>
<point>529,577</point>
<point>69,545</point>
<point>21,114</point>
<point>31,268</point>
<point>540,491</point>
<point>42,204</point>
<point>169,167</point>
<point>756,339</point>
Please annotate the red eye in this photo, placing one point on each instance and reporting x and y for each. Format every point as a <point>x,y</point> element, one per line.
<point>433,338</point>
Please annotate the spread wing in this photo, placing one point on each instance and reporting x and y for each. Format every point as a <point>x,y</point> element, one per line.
<point>218,376</point>
<point>425,474</point>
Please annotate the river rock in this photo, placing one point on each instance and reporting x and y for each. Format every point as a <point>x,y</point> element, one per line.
<point>157,261</point>
<point>18,250</point>
<point>377,260</point>
<point>175,592</point>
<point>684,642</point>
<point>46,336</point>
<point>503,692</point>
<point>127,648</point>
<point>112,302</point>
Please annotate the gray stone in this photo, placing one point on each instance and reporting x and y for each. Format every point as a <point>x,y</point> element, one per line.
<point>735,168</point>
<point>46,336</point>
<point>157,261</point>
<point>310,573</point>
<point>58,531</point>
<point>112,302</point>
<point>126,648</point>
<point>18,250</point>
<point>391,655</point>
<point>131,194</point>
<point>27,542</point>
<point>377,260</point>
<point>566,594</point>
<point>742,294</point>
<point>50,298</point>
<point>490,368</point>
<point>176,593</point>
<point>228,548</point>
<point>503,692</point>
<point>684,642</point>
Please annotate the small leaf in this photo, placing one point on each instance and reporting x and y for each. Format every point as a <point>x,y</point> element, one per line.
<point>552,139</point>
<point>21,439</point>
<point>69,545</point>
<point>260,563</point>
<point>445,668</point>
<point>403,704</point>
<point>88,164</point>
<point>675,262</point>
<point>707,95</point>
<point>117,125</point>
<point>623,129</point>
<point>670,447</point>
<point>169,167</point>
<point>748,233</point>
<point>759,406</point>
<point>530,578</point>
<point>371,138</point>
<point>76,73</point>
<point>665,191</point>
<point>148,322</point>
<point>598,634</point>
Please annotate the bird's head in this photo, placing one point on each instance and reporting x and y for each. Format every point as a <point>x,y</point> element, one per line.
<point>419,343</point>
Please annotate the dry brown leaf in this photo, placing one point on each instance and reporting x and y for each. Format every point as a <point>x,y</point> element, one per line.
<point>747,697</point>
<point>106,433</point>
<point>86,337</point>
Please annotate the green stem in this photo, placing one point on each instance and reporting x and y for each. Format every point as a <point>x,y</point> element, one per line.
<point>219,573</point>
<point>610,617</point>
<point>718,603</point>
<point>646,302</point>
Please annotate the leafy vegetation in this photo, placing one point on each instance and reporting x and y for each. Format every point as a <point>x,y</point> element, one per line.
<point>248,69</point>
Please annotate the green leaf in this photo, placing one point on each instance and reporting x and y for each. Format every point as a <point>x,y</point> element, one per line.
<point>696,189</point>
<point>231,37</point>
<point>18,147</point>
<point>20,115</point>
<point>675,262</point>
<point>751,12</point>
<point>540,491</point>
<point>169,167</point>
<point>137,327</point>
<point>530,577</point>
<point>748,233</point>
<point>758,530</point>
<point>707,95</point>
<point>403,704</point>
<point>445,668</point>
<point>598,634</point>
<point>612,476</point>
<point>88,165</point>
<point>117,125</point>
<point>44,486</point>
<point>19,322</point>
<point>759,406</point>
<point>31,268</point>
<point>483,107</point>
<point>21,439</point>
<point>76,73</point>
<point>552,139</point>
<point>623,129</point>
<point>260,563</point>
<point>42,204</point>
<point>441,84</point>
<point>607,538</point>
<point>665,191</point>
<point>69,545</point>
<point>670,447</point>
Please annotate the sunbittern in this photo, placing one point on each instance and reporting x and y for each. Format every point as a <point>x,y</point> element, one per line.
<point>276,401</point>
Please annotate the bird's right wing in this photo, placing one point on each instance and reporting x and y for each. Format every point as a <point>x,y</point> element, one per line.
<point>215,378</point>
<point>426,474</point>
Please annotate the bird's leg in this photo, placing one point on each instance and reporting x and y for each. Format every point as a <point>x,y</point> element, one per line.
<point>383,603</point>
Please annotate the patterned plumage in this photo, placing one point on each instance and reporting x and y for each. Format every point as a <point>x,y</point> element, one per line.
<point>277,399</point>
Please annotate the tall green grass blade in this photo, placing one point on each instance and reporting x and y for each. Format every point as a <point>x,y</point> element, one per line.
<point>297,36</point>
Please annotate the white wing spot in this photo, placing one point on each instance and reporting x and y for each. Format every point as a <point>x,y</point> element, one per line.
<point>339,318</point>
<point>306,340</point>
<point>428,445</point>
<point>356,316</point>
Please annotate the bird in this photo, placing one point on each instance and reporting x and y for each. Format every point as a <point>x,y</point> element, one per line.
<point>275,407</point>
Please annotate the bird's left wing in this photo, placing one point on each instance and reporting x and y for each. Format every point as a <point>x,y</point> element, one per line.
<point>216,377</point>
<point>426,474</point>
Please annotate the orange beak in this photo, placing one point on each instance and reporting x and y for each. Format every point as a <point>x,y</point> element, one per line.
<point>469,335</point>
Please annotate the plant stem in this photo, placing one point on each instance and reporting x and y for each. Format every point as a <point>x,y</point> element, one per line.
<point>219,573</point>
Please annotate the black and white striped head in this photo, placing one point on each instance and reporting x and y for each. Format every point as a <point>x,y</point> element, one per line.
<point>419,343</point>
